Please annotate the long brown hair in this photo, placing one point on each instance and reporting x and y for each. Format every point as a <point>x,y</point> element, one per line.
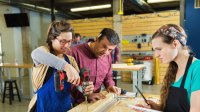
<point>55,29</point>
<point>169,33</point>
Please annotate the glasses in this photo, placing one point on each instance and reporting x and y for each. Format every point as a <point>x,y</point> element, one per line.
<point>63,41</point>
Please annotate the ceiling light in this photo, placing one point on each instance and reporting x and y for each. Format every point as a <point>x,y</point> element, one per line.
<point>44,8</point>
<point>38,7</point>
<point>159,1</point>
<point>28,5</point>
<point>91,8</point>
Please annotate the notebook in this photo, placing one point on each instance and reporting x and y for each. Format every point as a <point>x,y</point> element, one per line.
<point>143,109</point>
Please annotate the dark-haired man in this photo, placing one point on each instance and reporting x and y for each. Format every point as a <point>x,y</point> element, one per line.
<point>76,40</point>
<point>96,56</point>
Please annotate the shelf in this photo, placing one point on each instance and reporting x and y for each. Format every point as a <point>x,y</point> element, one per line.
<point>133,47</point>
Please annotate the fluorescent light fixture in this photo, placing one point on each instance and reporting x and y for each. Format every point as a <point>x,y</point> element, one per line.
<point>91,8</point>
<point>38,7</point>
<point>44,8</point>
<point>159,1</point>
<point>28,5</point>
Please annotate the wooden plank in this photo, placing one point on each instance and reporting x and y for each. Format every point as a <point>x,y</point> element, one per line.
<point>98,106</point>
<point>126,74</point>
<point>162,74</point>
<point>135,45</point>
<point>163,70</point>
<point>163,65</point>
<point>13,65</point>
<point>136,49</point>
<point>128,68</point>
<point>93,27</point>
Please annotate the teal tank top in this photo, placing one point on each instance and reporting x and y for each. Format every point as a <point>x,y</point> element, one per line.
<point>192,80</point>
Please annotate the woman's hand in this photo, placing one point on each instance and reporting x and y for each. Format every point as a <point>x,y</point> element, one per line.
<point>152,105</point>
<point>89,89</point>
<point>72,75</point>
<point>140,105</point>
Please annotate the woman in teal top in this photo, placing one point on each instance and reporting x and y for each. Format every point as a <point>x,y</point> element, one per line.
<point>192,83</point>
<point>180,91</point>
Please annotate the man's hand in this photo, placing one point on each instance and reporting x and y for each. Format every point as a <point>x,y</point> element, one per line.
<point>89,89</point>
<point>95,96</point>
<point>114,89</point>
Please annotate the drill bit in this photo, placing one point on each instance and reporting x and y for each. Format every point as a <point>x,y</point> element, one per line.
<point>84,85</point>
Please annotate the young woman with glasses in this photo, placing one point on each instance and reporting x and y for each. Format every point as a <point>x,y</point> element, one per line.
<point>47,61</point>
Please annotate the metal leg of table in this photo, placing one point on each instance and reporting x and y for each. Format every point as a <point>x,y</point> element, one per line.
<point>137,80</point>
<point>31,85</point>
<point>20,81</point>
<point>21,84</point>
<point>1,82</point>
<point>140,80</point>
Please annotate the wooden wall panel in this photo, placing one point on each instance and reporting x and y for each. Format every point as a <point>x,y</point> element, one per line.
<point>91,27</point>
<point>133,47</point>
<point>148,23</point>
<point>131,25</point>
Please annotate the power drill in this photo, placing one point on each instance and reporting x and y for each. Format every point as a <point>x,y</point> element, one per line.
<point>59,78</point>
<point>85,78</point>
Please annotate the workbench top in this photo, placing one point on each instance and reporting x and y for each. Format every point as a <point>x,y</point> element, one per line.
<point>112,104</point>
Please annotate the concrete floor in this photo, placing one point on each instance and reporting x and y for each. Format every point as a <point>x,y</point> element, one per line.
<point>23,105</point>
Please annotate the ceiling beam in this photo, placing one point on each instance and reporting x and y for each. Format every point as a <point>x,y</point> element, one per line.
<point>21,5</point>
<point>71,1</point>
<point>143,5</point>
<point>52,11</point>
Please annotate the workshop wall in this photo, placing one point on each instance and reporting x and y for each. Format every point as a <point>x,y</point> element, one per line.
<point>131,25</point>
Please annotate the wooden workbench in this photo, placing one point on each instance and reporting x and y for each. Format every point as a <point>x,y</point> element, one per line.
<point>111,104</point>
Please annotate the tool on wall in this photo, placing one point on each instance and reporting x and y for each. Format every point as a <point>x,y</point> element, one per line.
<point>139,45</point>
